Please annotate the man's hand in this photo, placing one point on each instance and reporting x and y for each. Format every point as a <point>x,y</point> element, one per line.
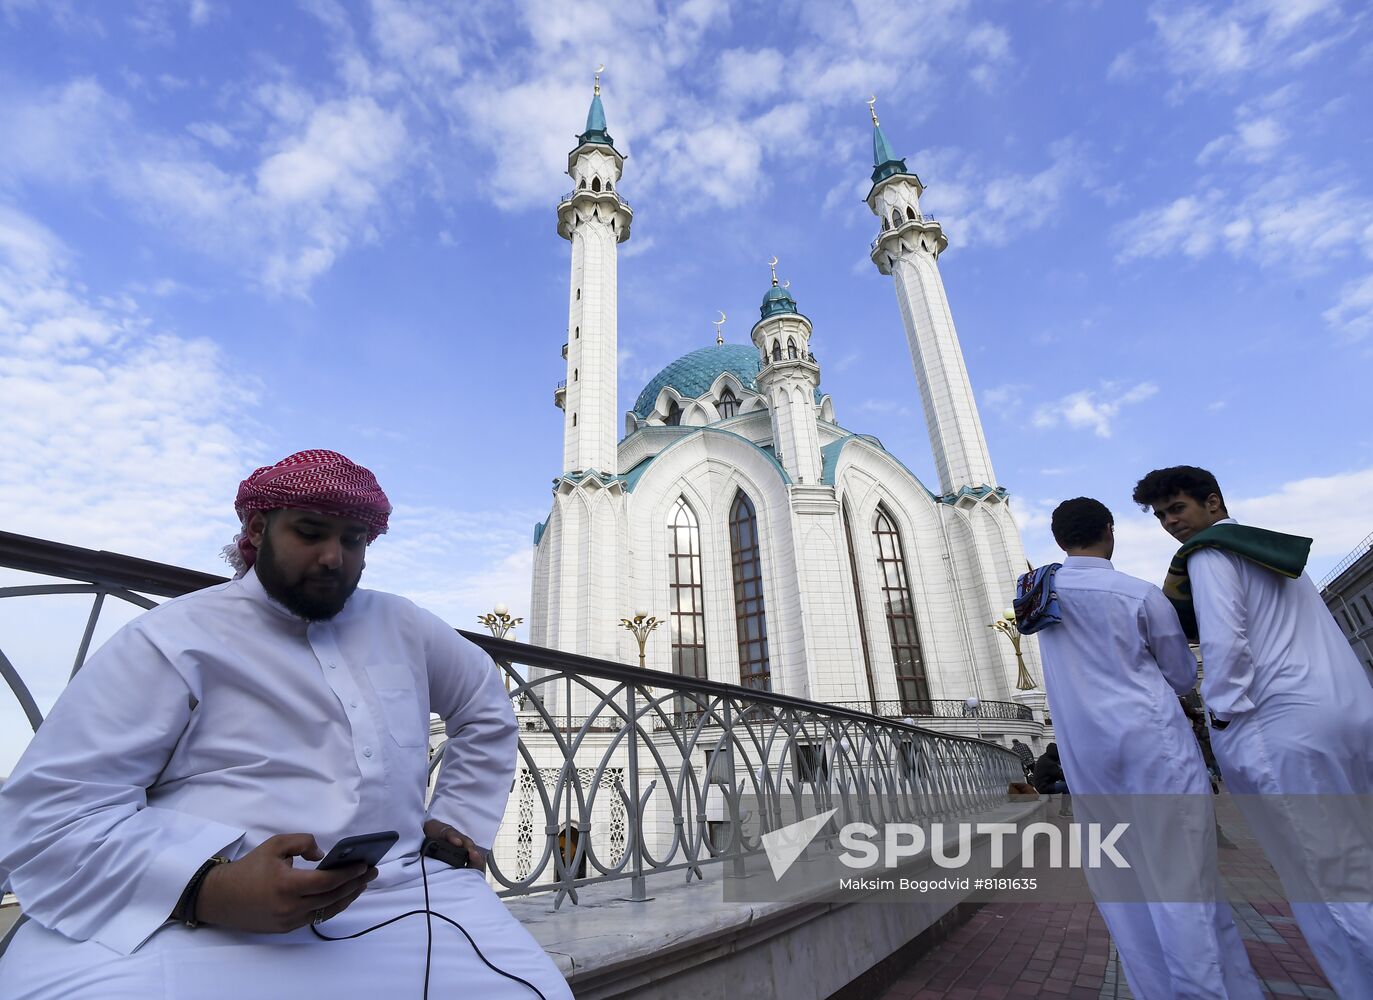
<point>261,892</point>
<point>437,829</point>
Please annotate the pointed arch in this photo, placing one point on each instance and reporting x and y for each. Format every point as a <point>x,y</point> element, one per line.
<point>911,682</point>
<point>686,606</point>
<point>674,414</point>
<point>776,351</point>
<point>728,404</point>
<point>749,613</point>
<point>595,184</point>
<point>910,213</point>
<point>895,219</point>
<point>582,185</point>
<point>791,349</point>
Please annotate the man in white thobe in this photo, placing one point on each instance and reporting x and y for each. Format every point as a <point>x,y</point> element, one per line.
<point>1114,666</point>
<point>1291,713</point>
<point>240,727</point>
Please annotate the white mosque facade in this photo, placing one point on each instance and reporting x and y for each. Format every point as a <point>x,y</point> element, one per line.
<point>781,549</point>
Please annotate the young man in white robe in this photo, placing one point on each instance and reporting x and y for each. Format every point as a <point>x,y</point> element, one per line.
<point>1291,712</point>
<point>1114,665</point>
<point>150,830</point>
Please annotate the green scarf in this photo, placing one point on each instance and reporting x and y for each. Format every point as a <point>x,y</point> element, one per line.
<point>1283,554</point>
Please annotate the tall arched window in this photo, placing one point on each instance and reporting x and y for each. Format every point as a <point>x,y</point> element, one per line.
<point>858,601</point>
<point>595,183</point>
<point>728,406</point>
<point>791,349</point>
<point>910,212</point>
<point>776,351</point>
<point>686,604</point>
<point>749,615</point>
<point>674,414</point>
<point>911,683</point>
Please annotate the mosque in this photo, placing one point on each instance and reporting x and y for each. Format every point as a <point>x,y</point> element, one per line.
<point>782,550</point>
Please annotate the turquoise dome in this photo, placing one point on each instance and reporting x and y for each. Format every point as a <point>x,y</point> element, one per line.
<point>777,300</point>
<point>693,374</point>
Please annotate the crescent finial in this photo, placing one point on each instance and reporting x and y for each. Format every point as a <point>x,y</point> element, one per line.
<point>773,264</point>
<point>787,283</point>
<point>599,70</point>
<point>719,338</point>
<point>872,108</point>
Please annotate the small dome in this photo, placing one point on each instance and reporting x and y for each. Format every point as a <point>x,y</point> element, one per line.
<point>777,300</point>
<point>693,374</point>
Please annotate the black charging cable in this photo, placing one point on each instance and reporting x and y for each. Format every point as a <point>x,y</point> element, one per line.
<point>429,937</point>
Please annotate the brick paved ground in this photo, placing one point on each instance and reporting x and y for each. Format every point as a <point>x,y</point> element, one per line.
<point>1056,950</point>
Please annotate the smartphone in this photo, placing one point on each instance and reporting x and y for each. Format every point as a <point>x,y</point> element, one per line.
<point>365,848</point>
<point>454,857</point>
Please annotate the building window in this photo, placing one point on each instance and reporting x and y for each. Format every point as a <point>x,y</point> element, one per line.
<point>858,601</point>
<point>728,406</point>
<point>1358,615</point>
<point>574,420</point>
<point>595,183</point>
<point>749,615</point>
<point>791,349</point>
<point>674,414</point>
<point>911,683</point>
<point>574,374</point>
<point>579,295</point>
<point>776,351</point>
<point>910,212</point>
<point>686,602</point>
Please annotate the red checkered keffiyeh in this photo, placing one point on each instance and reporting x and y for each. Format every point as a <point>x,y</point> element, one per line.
<point>324,482</point>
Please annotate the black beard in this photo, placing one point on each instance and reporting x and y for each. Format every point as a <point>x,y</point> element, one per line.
<point>295,597</point>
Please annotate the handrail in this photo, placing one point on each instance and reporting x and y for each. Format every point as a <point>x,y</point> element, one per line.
<point>896,229</point>
<point>625,772</point>
<point>1354,556</point>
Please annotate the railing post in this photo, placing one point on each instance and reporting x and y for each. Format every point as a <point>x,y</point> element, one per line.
<point>638,887</point>
<point>736,824</point>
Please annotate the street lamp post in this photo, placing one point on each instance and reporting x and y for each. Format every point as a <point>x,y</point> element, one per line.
<point>499,622</point>
<point>1006,626</point>
<point>640,626</point>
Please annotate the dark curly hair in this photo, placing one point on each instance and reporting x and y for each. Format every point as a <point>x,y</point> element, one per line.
<point>1185,479</point>
<point>1080,522</point>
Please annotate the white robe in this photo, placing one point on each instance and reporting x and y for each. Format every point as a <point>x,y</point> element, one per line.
<point>1298,749</point>
<point>220,719</point>
<point>1113,670</point>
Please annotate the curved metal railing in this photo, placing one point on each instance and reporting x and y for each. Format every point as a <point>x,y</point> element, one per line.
<point>654,773</point>
<point>944,708</point>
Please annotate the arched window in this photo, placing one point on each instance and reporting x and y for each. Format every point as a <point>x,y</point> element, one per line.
<point>582,185</point>
<point>776,351</point>
<point>749,616</point>
<point>858,601</point>
<point>791,349</point>
<point>577,335</point>
<point>574,374</point>
<point>686,603</point>
<point>728,406</point>
<point>910,212</point>
<point>574,420</point>
<point>595,183</point>
<point>579,295</point>
<point>895,219</point>
<point>911,683</point>
<point>608,187</point>
<point>674,414</point>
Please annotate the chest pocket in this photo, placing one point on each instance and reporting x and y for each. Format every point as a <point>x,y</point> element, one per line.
<point>403,719</point>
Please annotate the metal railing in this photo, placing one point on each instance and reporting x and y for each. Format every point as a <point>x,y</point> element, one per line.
<point>656,773</point>
<point>944,708</point>
<point>1354,556</point>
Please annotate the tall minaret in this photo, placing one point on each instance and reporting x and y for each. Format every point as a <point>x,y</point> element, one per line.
<point>907,247</point>
<point>595,220</point>
<point>788,381</point>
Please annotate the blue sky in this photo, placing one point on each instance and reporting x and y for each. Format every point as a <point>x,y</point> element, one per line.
<point>230,231</point>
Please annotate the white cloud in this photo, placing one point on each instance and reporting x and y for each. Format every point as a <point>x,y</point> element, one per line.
<point>1090,408</point>
<point>1352,315</point>
<point>750,75</point>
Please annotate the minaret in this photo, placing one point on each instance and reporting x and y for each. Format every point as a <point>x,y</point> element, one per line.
<point>595,220</point>
<point>907,247</point>
<point>788,381</point>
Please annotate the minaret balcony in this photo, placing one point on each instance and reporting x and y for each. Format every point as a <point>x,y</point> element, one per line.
<point>916,228</point>
<point>583,203</point>
<point>560,394</point>
<point>564,352</point>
